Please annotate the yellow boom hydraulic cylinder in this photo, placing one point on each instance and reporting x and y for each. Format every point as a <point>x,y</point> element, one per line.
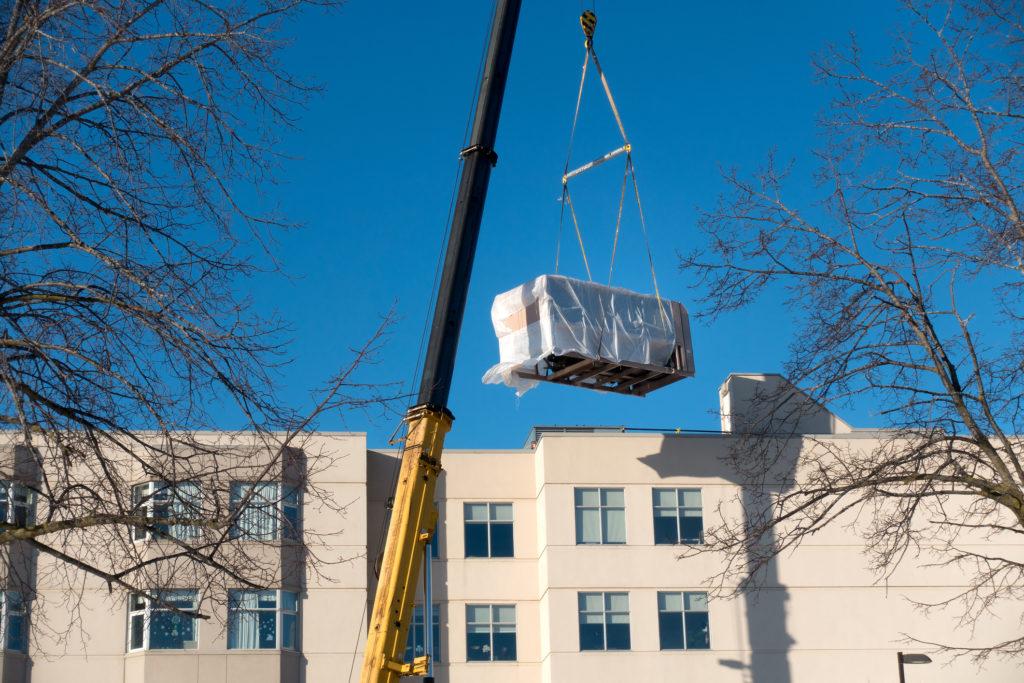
<point>412,525</point>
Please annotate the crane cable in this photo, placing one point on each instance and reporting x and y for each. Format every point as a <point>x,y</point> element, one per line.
<point>588,21</point>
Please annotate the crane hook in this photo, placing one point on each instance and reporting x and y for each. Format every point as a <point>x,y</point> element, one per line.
<point>588,20</point>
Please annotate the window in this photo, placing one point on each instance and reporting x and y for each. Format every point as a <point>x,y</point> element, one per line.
<point>488,529</point>
<point>600,516</point>
<point>683,621</point>
<point>416,644</point>
<point>14,622</point>
<point>262,620</point>
<point>152,626</point>
<point>678,517</point>
<point>16,504</point>
<point>604,621</point>
<point>158,500</point>
<point>490,633</point>
<point>270,511</point>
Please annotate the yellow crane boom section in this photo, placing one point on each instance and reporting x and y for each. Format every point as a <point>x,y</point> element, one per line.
<point>413,519</point>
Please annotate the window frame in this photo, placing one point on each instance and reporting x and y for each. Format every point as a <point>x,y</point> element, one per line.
<point>607,613</point>
<point>602,509</point>
<point>493,625</point>
<point>147,501</point>
<point>285,508</point>
<point>411,641</point>
<point>281,614</point>
<point>489,523</point>
<point>682,613</point>
<point>150,611</point>
<point>10,504</point>
<point>8,613</point>
<point>678,508</point>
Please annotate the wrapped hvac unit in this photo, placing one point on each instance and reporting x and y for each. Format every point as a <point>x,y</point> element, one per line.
<point>558,329</point>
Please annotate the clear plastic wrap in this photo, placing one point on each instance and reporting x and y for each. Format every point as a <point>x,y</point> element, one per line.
<point>554,315</point>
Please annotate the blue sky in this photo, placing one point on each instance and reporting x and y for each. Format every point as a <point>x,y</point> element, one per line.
<point>373,166</point>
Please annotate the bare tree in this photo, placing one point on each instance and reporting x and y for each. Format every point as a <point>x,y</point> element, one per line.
<point>905,277</point>
<point>127,129</point>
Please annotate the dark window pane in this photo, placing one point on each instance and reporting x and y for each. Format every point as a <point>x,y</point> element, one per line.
<point>20,515</point>
<point>618,636</point>
<point>592,636</point>
<point>670,627</point>
<point>292,523</point>
<point>415,639</point>
<point>16,633</point>
<point>504,647</point>
<point>268,630</point>
<point>138,621</point>
<point>501,539</point>
<point>289,641</point>
<point>697,635</point>
<point>478,647</point>
<point>665,530</point>
<point>476,539</point>
<point>692,528</point>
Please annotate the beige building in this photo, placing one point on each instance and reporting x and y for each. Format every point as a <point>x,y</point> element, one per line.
<point>557,562</point>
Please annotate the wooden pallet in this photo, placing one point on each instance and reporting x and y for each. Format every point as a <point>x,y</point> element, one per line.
<point>600,374</point>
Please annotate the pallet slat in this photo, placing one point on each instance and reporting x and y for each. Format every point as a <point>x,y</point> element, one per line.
<point>621,377</point>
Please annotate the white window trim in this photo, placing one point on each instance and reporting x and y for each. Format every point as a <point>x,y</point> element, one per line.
<point>279,614</point>
<point>682,612</point>
<point>605,613</point>
<point>488,522</point>
<point>8,489</point>
<point>679,511</point>
<point>147,507</point>
<point>491,623</point>
<point>279,508</point>
<point>600,518</point>
<point>147,621</point>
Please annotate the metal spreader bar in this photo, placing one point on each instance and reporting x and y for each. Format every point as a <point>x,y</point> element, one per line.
<point>596,162</point>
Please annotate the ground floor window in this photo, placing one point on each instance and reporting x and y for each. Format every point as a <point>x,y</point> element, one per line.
<point>683,621</point>
<point>416,643</point>
<point>154,626</point>
<point>490,633</point>
<point>262,620</point>
<point>13,622</point>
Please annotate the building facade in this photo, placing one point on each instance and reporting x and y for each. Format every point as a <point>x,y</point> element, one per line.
<point>557,562</point>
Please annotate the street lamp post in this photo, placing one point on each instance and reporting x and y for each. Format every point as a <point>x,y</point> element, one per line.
<point>910,658</point>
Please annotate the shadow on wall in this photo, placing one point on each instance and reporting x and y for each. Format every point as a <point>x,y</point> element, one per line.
<point>766,416</point>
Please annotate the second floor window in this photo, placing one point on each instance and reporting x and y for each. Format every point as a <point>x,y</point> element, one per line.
<point>162,501</point>
<point>489,530</point>
<point>13,622</point>
<point>16,504</point>
<point>490,633</point>
<point>678,517</point>
<point>604,621</point>
<point>153,626</point>
<point>265,511</point>
<point>263,620</point>
<point>600,516</point>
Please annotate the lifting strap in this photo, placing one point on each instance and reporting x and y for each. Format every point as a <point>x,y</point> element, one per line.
<point>589,22</point>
